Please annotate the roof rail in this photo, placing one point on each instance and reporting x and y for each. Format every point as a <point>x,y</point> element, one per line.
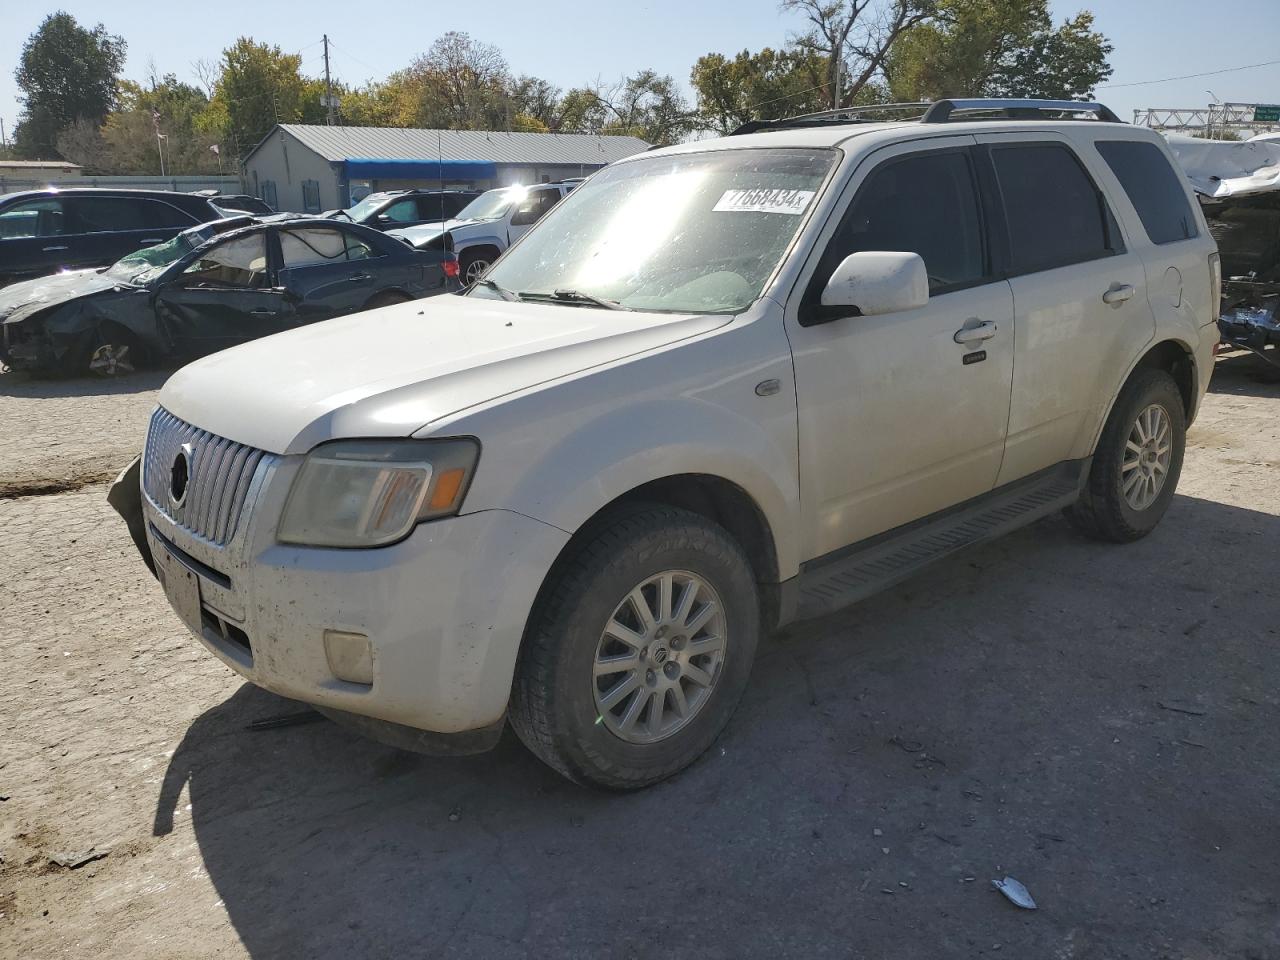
<point>942,111</point>
<point>842,115</point>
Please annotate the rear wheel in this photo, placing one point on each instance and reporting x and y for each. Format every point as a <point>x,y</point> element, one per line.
<point>639,650</point>
<point>1138,461</point>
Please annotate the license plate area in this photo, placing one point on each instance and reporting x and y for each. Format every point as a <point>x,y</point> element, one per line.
<point>182,587</point>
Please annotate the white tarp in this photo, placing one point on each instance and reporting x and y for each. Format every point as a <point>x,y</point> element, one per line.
<point>1226,168</point>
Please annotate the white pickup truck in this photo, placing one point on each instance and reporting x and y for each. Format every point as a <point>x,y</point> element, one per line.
<point>721,386</point>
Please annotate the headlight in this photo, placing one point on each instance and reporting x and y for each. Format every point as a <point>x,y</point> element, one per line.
<point>367,493</point>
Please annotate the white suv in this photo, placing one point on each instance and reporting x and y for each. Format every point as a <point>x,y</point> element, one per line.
<point>722,386</point>
<point>486,226</point>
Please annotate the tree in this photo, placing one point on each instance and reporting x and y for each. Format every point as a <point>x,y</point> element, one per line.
<point>65,73</point>
<point>758,86</point>
<point>997,48</point>
<point>82,143</point>
<point>461,84</point>
<point>646,105</point>
<point>257,87</point>
<point>167,106</point>
<point>1063,64</point>
<point>855,37</point>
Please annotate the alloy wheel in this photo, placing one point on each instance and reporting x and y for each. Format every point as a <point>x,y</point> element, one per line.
<point>659,657</point>
<point>475,270</point>
<point>111,360</point>
<point>1147,453</point>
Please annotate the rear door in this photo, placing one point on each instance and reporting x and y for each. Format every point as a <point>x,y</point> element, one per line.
<point>328,272</point>
<point>1080,297</point>
<point>224,297</point>
<point>102,229</point>
<point>33,239</point>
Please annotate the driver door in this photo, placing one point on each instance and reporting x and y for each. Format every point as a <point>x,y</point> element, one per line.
<point>530,210</point>
<point>222,298</point>
<point>898,418</point>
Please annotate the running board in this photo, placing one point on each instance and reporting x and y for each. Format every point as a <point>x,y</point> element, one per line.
<point>856,572</point>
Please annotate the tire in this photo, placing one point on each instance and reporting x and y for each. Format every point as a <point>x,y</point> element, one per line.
<point>561,709</point>
<point>472,265</point>
<point>1113,505</point>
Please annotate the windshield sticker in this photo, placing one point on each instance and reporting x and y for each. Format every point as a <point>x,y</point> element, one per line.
<point>764,200</point>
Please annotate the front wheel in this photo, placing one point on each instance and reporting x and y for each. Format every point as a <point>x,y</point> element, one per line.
<point>639,650</point>
<point>1137,463</point>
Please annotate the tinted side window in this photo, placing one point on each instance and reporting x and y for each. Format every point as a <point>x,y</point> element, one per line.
<point>1056,214</point>
<point>925,204</point>
<point>241,262</point>
<point>108,214</point>
<point>35,218</point>
<point>161,214</point>
<point>406,211</point>
<point>1154,189</point>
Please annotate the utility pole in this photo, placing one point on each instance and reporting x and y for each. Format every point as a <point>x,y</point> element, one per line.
<point>835,83</point>
<point>3,143</point>
<point>328,85</point>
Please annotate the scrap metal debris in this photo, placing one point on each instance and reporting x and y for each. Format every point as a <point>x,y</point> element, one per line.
<point>1226,168</point>
<point>1015,893</point>
<point>73,861</point>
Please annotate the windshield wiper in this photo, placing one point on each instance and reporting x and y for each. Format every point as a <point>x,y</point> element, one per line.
<point>577,296</point>
<point>509,295</point>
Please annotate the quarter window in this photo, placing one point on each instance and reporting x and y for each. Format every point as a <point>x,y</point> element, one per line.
<point>1055,213</point>
<point>924,203</point>
<point>240,262</point>
<point>1153,188</point>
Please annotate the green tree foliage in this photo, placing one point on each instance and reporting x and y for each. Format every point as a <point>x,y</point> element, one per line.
<point>257,87</point>
<point>758,86</point>
<point>647,105</point>
<point>66,73</point>
<point>181,113</point>
<point>998,48</point>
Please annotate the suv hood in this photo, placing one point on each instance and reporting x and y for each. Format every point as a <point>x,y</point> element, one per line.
<point>20,300</point>
<point>429,231</point>
<point>390,372</point>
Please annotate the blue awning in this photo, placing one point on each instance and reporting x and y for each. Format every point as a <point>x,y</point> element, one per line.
<point>372,168</point>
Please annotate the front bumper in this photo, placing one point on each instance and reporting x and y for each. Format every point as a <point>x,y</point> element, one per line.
<point>444,610</point>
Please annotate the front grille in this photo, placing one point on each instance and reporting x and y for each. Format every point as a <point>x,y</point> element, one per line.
<point>219,472</point>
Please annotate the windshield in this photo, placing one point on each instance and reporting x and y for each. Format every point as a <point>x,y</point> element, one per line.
<point>692,233</point>
<point>365,207</point>
<point>492,204</point>
<point>148,263</point>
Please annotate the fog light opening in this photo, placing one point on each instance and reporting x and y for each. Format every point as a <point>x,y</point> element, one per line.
<point>350,656</point>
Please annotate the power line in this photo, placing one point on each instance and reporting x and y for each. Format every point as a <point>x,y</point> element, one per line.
<point>1188,76</point>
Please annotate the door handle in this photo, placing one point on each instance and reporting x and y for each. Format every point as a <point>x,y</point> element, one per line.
<point>52,249</point>
<point>980,331</point>
<point>1117,293</point>
<point>149,241</point>
<point>262,312</point>
<point>357,277</point>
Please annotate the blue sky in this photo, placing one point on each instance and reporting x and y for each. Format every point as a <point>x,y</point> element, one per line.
<point>572,42</point>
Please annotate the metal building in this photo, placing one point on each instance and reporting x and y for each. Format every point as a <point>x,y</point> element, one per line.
<point>309,169</point>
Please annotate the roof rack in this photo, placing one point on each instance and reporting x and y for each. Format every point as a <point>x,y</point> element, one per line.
<point>937,111</point>
<point>842,115</point>
<point>942,111</point>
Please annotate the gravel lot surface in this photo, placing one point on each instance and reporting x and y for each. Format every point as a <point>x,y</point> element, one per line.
<point>1099,722</point>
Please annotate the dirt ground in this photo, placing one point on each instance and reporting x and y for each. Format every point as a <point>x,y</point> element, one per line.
<point>1099,722</point>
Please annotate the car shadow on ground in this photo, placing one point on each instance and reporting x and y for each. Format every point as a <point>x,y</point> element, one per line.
<point>1098,721</point>
<point>18,383</point>
<point>1246,374</point>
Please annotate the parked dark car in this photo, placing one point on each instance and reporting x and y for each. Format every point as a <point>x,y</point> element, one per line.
<point>406,208</point>
<point>208,288</point>
<point>44,231</point>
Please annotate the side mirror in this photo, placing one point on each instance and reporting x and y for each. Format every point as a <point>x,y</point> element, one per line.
<point>875,283</point>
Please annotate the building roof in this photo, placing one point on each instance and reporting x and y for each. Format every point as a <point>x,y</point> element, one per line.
<point>37,165</point>
<point>396,143</point>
